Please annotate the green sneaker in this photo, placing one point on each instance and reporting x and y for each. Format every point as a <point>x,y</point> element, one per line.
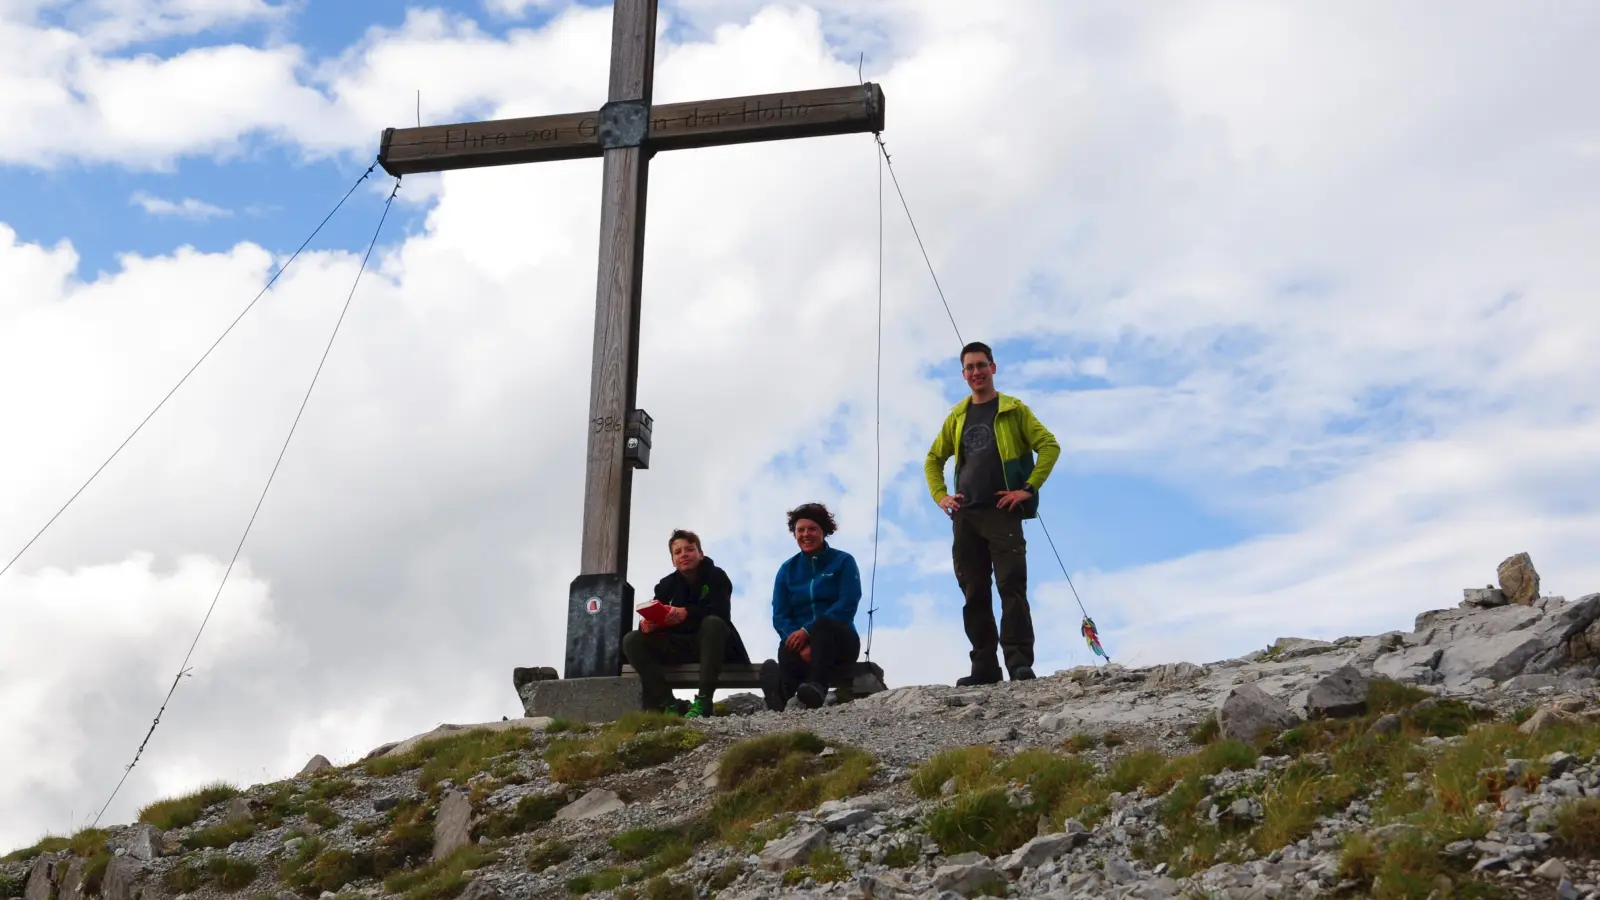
<point>699,709</point>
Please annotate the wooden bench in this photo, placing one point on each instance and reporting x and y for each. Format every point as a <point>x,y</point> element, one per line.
<point>850,680</point>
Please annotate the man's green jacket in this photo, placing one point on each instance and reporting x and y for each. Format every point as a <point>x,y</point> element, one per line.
<point>1018,435</point>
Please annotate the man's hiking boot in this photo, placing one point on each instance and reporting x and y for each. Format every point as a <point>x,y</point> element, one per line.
<point>772,686</point>
<point>701,708</point>
<point>984,675</point>
<point>1022,673</point>
<point>812,694</point>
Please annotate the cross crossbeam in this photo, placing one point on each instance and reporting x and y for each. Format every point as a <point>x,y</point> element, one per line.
<point>673,126</point>
<point>625,133</point>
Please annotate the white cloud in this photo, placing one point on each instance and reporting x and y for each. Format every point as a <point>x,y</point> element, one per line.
<point>187,208</point>
<point>1251,247</point>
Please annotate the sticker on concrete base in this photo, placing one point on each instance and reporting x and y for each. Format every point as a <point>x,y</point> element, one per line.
<point>593,606</point>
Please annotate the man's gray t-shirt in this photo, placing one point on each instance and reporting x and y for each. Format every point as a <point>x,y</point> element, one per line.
<point>981,477</point>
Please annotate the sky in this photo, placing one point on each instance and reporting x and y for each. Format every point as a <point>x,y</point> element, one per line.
<point>1306,293</point>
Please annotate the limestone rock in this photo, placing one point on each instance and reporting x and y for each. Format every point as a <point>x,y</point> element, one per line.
<point>238,810</point>
<point>1483,597</point>
<point>1467,648</point>
<point>396,748</point>
<point>1284,649</point>
<point>969,879</point>
<point>1039,851</point>
<point>793,849</point>
<point>1543,719</point>
<point>845,819</point>
<point>1553,869</point>
<point>70,884</point>
<point>1340,694</point>
<point>317,764</point>
<point>598,802</point>
<point>884,886</point>
<point>1247,712</point>
<point>41,878</point>
<point>452,826</point>
<point>522,675</point>
<point>743,704</point>
<point>1518,579</point>
<point>1169,674</point>
<point>480,890</point>
<point>121,880</point>
<point>710,777</point>
<point>146,842</point>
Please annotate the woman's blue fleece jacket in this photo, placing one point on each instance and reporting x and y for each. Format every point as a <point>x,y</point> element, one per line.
<point>808,588</point>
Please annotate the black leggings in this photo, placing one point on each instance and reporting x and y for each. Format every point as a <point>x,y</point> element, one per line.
<point>832,643</point>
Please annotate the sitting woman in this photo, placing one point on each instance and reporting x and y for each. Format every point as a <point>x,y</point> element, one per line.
<point>814,602</point>
<point>697,628</point>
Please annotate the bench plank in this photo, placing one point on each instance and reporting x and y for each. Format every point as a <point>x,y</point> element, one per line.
<point>741,675</point>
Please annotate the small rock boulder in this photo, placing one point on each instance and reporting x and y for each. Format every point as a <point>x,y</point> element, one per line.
<point>238,810</point>
<point>1340,694</point>
<point>452,825</point>
<point>973,879</point>
<point>1486,597</point>
<point>318,763</point>
<point>1247,712</point>
<point>145,844</point>
<point>793,849</point>
<point>1039,851</point>
<point>121,880</point>
<point>41,878</point>
<point>598,802</point>
<point>1519,580</point>
<point>480,890</point>
<point>71,882</point>
<point>1168,674</point>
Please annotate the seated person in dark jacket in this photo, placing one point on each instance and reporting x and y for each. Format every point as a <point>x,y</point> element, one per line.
<point>699,628</point>
<point>814,600</point>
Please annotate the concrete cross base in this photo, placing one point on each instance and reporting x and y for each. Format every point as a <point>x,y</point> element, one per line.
<point>599,699</point>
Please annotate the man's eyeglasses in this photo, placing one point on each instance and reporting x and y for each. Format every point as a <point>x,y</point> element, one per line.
<point>975,367</point>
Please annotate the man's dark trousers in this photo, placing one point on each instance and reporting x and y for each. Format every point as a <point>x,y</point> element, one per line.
<point>989,539</point>
<point>647,653</point>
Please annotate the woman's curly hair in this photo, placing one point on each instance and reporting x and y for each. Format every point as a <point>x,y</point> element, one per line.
<point>817,513</point>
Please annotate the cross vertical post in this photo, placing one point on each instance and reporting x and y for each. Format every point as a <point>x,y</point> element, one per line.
<point>613,386</point>
<point>600,604</point>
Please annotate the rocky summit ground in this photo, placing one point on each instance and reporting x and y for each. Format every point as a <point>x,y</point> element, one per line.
<point>1460,759</point>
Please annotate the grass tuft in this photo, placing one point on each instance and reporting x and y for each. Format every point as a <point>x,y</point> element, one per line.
<point>782,772</point>
<point>982,821</point>
<point>454,757</point>
<point>969,766</point>
<point>543,855</point>
<point>635,741</point>
<point>443,879</point>
<point>824,867</point>
<point>529,813</point>
<point>220,836</point>
<point>1577,827</point>
<point>84,842</point>
<point>179,812</point>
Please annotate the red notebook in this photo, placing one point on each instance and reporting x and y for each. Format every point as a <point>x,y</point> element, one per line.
<point>653,611</point>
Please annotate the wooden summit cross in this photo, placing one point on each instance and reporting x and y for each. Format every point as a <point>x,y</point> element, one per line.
<point>626,132</point>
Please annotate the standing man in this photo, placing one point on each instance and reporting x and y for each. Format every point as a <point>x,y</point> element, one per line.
<point>994,438</point>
